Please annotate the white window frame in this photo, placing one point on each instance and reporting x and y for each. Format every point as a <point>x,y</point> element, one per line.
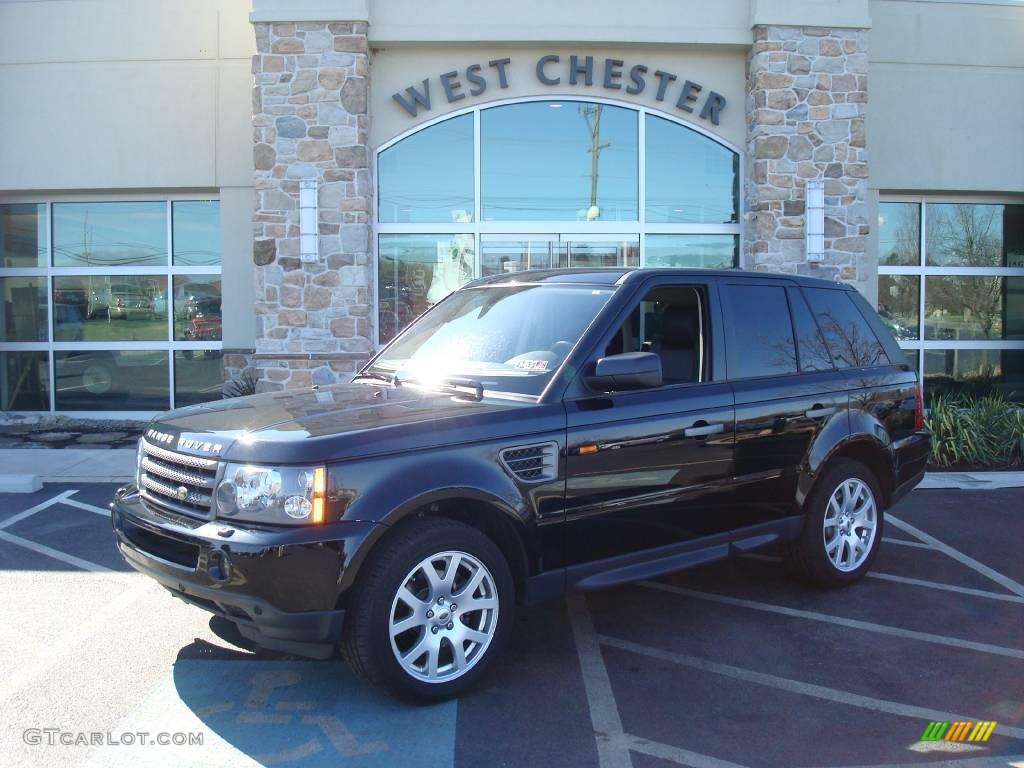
<point>574,229</point>
<point>922,270</point>
<point>49,272</point>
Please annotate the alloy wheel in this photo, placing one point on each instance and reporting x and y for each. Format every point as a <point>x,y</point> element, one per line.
<point>851,521</point>
<point>443,617</point>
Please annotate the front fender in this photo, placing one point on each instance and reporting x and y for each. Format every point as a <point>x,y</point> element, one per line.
<point>386,491</point>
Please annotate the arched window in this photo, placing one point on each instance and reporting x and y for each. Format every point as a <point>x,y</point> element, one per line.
<point>544,184</point>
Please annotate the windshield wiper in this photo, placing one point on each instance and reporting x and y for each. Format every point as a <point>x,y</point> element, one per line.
<point>463,385</point>
<point>387,378</point>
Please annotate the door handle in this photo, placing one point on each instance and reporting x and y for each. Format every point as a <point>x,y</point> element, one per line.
<point>703,430</point>
<point>818,412</point>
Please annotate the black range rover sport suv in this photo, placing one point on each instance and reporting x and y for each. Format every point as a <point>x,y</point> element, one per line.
<point>530,434</point>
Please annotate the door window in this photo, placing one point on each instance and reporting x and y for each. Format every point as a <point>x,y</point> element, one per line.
<point>669,322</point>
<point>759,334</point>
<point>810,343</point>
<point>849,337</point>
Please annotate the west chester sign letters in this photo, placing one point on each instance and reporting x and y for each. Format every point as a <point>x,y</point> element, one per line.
<point>551,70</point>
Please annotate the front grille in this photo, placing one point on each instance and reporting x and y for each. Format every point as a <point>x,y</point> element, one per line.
<point>532,463</point>
<point>177,481</point>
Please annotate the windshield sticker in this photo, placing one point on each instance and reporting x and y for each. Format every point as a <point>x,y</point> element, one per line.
<point>532,365</point>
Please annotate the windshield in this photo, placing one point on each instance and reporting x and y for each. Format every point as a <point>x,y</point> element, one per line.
<point>507,338</point>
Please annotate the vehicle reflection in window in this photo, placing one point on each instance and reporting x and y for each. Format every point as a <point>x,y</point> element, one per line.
<point>105,380</point>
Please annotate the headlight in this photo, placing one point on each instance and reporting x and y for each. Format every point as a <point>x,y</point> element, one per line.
<point>279,495</point>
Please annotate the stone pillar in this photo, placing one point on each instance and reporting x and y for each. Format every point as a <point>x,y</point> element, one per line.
<point>806,96</point>
<point>310,122</point>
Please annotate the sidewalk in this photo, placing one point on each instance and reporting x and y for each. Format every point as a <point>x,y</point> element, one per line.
<point>23,470</point>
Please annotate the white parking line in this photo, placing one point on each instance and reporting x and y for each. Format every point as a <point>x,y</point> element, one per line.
<point>604,713</point>
<point>42,549</point>
<point>947,587</point>
<point>970,562</point>
<point>795,686</point>
<point>905,543</point>
<point>86,507</point>
<point>676,754</point>
<point>867,626</point>
<point>59,498</point>
<point>907,580</point>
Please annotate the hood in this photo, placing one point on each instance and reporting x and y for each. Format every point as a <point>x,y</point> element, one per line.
<point>343,421</point>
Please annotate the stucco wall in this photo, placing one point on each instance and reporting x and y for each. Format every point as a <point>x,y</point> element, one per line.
<point>947,96</point>
<point>130,95</point>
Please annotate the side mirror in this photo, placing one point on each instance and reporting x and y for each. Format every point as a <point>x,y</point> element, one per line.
<point>630,370</point>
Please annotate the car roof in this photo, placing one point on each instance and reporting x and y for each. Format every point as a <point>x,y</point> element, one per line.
<point>615,276</point>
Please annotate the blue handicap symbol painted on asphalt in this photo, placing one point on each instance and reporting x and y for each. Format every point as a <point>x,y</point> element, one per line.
<point>313,714</point>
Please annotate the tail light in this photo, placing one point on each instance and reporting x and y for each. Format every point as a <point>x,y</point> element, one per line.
<point>918,408</point>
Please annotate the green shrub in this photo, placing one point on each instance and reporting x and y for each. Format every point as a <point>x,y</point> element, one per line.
<point>241,386</point>
<point>979,430</point>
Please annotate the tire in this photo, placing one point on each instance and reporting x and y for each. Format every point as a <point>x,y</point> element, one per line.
<point>832,563</point>
<point>371,645</point>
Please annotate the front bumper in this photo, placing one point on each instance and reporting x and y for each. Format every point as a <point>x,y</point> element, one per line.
<point>279,586</point>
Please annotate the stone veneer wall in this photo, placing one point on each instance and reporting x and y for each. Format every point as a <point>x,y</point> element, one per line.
<point>806,96</point>
<point>310,121</point>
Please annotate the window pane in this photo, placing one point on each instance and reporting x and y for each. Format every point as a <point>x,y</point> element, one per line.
<point>849,337</point>
<point>690,178</point>
<point>198,376</point>
<point>498,257</point>
<point>968,235</point>
<point>110,308</point>
<point>974,372</point>
<point>428,177</point>
<point>23,235</point>
<point>899,233</point>
<point>24,317</point>
<point>912,359</point>
<point>814,355</point>
<point>601,253</point>
<point>24,381</point>
<point>196,225</point>
<point>760,335</point>
<point>899,304</point>
<point>559,161</point>
<point>197,308</point>
<point>667,321</point>
<point>129,380</point>
<point>109,234</point>
<point>975,307</point>
<point>698,251</point>
<point>416,272</point>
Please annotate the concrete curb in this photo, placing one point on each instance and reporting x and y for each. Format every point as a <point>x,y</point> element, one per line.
<point>972,481</point>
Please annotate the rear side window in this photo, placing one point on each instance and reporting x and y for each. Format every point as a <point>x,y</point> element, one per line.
<point>759,334</point>
<point>814,355</point>
<point>849,337</point>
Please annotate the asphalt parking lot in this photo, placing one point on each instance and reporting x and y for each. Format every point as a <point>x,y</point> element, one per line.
<point>730,664</point>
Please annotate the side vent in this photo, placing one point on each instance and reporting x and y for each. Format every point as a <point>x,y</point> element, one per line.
<point>532,463</point>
